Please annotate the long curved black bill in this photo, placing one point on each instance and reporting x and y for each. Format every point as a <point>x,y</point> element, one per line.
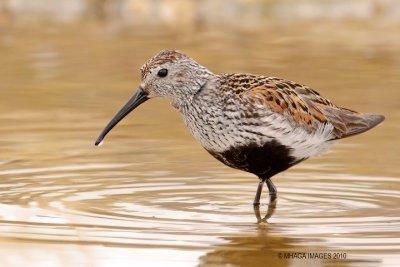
<point>138,98</point>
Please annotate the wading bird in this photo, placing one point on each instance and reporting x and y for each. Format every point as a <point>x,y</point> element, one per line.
<point>259,124</point>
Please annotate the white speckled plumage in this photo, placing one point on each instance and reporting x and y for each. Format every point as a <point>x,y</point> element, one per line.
<point>254,123</point>
<point>219,124</point>
<point>231,110</point>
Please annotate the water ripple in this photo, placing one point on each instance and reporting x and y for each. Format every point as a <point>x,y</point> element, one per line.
<point>120,207</point>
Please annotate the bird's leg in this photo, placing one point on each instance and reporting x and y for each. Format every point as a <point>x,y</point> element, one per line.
<point>258,193</point>
<point>272,190</point>
<point>272,202</point>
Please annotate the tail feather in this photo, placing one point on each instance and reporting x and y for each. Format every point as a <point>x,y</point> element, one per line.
<point>348,123</point>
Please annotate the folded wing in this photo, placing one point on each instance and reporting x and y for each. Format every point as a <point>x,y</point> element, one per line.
<point>303,106</point>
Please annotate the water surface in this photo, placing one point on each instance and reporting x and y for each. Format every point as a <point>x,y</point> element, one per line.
<point>151,195</point>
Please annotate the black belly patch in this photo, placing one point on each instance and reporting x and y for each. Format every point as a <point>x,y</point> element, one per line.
<point>264,161</point>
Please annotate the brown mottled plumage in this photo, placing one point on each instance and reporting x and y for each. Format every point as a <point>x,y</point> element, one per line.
<point>254,123</point>
<point>299,103</point>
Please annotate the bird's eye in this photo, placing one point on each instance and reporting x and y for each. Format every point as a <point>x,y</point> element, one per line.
<point>162,73</point>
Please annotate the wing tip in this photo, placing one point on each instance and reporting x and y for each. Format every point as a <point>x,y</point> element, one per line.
<point>369,121</point>
<point>374,119</point>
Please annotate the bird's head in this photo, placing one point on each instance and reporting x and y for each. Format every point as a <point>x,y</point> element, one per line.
<point>169,74</point>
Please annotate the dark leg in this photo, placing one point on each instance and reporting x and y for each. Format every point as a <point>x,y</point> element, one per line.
<point>272,202</point>
<point>272,190</point>
<point>258,194</point>
<point>272,199</point>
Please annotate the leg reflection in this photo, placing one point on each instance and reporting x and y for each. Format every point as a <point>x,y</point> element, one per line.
<point>270,211</point>
<point>271,205</point>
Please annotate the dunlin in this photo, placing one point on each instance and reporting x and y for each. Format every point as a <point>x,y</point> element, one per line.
<point>259,124</point>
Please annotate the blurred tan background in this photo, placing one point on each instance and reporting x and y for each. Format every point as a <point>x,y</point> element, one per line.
<point>151,196</point>
<point>198,13</point>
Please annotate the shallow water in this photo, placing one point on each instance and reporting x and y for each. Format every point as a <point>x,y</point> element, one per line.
<point>151,195</point>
